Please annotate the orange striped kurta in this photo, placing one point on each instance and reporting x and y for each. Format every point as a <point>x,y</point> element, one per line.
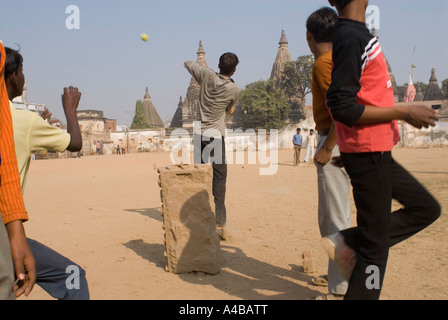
<point>12,206</point>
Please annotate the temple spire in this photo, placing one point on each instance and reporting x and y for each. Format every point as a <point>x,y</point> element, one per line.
<point>433,92</point>
<point>201,55</point>
<point>283,41</point>
<point>283,56</point>
<point>411,92</point>
<point>150,112</point>
<point>190,106</point>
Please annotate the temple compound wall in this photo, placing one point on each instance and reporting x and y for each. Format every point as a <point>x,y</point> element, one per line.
<point>95,127</point>
<point>411,137</point>
<point>150,140</point>
<point>436,137</point>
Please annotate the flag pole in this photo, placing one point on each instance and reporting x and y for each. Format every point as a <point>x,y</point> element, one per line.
<point>412,64</point>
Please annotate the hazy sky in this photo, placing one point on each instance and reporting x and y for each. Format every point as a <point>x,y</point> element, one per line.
<point>109,63</point>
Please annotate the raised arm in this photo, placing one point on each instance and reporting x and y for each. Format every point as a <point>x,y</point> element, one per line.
<point>198,72</point>
<point>70,102</point>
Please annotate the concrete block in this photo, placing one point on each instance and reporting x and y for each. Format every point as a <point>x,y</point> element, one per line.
<point>189,221</point>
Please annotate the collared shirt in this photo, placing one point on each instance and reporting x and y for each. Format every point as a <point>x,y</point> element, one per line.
<point>217,95</point>
<point>298,140</point>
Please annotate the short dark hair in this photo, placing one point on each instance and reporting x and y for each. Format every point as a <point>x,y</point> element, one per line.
<point>341,3</point>
<point>228,62</point>
<point>12,62</point>
<point>321,24</point>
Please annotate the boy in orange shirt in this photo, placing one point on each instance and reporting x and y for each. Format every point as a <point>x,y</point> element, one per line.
<point>333,181</point>
<point>12,209</point>
<point>33,133</point>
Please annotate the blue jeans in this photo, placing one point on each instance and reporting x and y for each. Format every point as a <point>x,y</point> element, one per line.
<point>57,275</point>
<point>333,210</point>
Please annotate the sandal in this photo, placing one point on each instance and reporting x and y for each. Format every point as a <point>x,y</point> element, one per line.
<point>320,281</point>
<point>328,296</point>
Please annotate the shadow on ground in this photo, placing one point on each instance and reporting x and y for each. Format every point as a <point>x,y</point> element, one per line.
<point>240,276</point>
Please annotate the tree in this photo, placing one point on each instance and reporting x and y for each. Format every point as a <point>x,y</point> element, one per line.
<point>296,78</point>
<point>445,88</point>
<point>263,106</point>
<point>139,121</point>
<point>401,90</point>
<point>423,86</point>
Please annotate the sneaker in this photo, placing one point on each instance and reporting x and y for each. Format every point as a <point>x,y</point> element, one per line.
<point>341,253</point>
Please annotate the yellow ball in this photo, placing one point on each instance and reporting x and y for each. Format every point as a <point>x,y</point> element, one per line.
<point>144,37</point>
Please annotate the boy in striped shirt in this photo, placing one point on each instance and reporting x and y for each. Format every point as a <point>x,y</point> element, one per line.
<point>15,255</point>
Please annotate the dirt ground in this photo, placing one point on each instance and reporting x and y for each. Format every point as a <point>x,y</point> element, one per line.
<point>103,212</point>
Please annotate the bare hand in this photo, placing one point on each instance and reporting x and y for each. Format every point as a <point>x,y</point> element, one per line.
<point>24,263</point>
<point>70,102</point>
<point>421,116</point>
<point>46,115</point>
<point>323,156</point>
<point>337,161</point>
<point>70,99</point>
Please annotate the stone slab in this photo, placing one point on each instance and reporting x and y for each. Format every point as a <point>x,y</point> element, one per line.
<point>192,244</point>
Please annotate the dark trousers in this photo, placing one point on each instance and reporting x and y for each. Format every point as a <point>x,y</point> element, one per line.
<point>209,152</point>
<point>377,179</point>
<point>53,276</point>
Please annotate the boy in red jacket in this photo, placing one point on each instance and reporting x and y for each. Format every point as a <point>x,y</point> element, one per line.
<point>361,101</point>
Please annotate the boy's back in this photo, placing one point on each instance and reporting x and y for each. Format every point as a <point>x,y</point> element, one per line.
<point>360,78</point>
<point>31,134</point>
<point>218,94</point>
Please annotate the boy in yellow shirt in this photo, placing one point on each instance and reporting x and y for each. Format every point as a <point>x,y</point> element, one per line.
<point>33,133</point>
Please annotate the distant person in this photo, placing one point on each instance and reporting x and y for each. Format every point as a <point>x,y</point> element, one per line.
<point>98,148</point>
<point>218,96</point>
<point>16,258</point>
<point>311,144</point>
<point>118,149</point>
<point>32,133</point>
<point>361,101</point>
<point>333,183</point>
<point>297,140</point>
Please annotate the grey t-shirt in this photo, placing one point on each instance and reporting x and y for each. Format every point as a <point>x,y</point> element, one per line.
<point>218,94</point>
